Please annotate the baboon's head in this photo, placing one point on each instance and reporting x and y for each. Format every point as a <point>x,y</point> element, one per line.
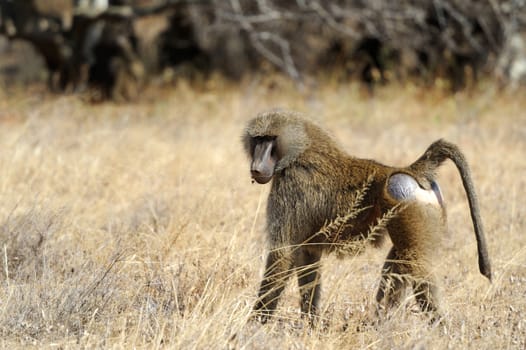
<point>273,140</point>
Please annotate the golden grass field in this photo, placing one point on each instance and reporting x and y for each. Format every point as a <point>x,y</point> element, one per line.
<point>137,226</point>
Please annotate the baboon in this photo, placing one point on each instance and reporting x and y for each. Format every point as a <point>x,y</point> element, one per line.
<point>313,183</point>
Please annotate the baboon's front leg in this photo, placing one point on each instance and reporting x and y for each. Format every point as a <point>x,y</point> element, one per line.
<point>308,269</point>
<point>277,271</point>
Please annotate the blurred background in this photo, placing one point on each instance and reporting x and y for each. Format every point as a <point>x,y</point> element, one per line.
<point>133,223</point>
<point>114,48</point>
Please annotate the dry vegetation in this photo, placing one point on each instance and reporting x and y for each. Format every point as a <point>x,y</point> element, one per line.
<point>137,226</point>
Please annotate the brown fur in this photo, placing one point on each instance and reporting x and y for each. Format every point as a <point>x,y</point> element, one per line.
<point>314,182</point>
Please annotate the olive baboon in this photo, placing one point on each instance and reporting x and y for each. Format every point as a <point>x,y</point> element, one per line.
<point>314,182</point>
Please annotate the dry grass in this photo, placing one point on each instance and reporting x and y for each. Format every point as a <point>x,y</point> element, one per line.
<point>137,226</point>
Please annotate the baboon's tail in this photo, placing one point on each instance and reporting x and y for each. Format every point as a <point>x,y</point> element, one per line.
<point>427,164</point>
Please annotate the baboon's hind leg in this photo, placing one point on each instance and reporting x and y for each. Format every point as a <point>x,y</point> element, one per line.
<point>392,284</point>
<point>398,272</point>
<point>415,232</point>
<point>426,295</point>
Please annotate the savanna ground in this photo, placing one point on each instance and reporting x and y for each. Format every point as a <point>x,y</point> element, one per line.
<point>137,226</point>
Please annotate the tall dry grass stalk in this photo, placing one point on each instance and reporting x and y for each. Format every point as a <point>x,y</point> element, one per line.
<point>136,226</point>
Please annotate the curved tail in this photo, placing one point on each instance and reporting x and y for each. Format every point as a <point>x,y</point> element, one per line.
<point>427,164</point>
